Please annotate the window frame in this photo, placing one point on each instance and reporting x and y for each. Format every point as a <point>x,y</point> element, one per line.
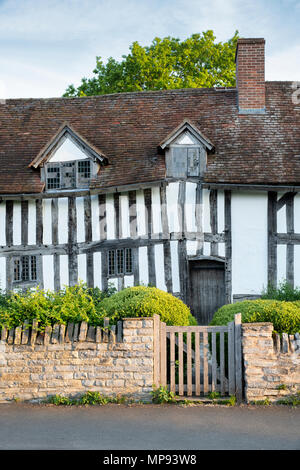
<point>32,269</point>
<point>118,257</point>
<point>77,178</point>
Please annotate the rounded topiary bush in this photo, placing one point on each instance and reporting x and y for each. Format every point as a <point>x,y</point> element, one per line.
<point>285,316</point>
<point>141,301</point>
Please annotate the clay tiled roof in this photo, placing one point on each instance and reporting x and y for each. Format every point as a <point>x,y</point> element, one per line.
<point>128,127</point>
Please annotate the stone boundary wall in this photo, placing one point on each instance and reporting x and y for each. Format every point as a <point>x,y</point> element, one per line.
<point>271,362</point>
<point>71,360</point>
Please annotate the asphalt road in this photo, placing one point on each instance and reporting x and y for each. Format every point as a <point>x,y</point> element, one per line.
<point>149,427</point>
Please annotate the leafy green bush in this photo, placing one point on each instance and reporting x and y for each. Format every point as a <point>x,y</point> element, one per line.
<point>141,301</point>
<point>72,304</point>
<point>80,303</point>
<point>284,291</point>
<point>285,316</point>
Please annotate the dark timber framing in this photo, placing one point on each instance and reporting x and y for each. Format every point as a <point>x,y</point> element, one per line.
<point>24,223</point>
<point>73,248</point>
<point>272,245</point>
<point>213,220</point>
<point>290,239</point>
<point>149,226</point>
<point>228,247</point>
<point>72,252</point>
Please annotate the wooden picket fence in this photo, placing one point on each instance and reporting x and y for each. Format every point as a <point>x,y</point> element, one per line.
<point>198,360</point>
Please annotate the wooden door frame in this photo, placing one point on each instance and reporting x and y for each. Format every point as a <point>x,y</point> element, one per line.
<point>190,259</point>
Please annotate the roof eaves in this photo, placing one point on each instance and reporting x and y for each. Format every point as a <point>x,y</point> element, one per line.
<point>186,124</point>
<point>43,155</point>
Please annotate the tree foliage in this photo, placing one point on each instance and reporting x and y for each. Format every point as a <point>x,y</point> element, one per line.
<point>167,63</point>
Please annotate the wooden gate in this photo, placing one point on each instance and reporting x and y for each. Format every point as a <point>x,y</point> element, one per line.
<point>198,360</point>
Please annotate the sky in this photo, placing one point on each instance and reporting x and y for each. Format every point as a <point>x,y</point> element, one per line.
<point>45,45</point>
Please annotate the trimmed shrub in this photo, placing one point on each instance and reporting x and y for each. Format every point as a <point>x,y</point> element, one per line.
<point>285,316</point>
<point>80,303</point>
<point>72,304</point>
<point>141,301</point>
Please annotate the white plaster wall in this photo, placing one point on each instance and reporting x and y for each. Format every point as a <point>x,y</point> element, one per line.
<point>64,270</point>
<point>80,232</point>
<point>191,247</point>
<point>31,223</point>
<point>140,213</point>
<point>281,263</point>
<point>221,248</point>
<point>48,272</point>
<point>143,266</point>
<point>221,211</point>
<point>124,208</point>
<point>297,213</point>
<point>249,242</point>
<point>175,266</point>
<point>82,267</point>
<point>297,265</point>
<point>172,206</point>
<point>110,216</point>
<point>2,223</point>
<point>159,267</point>
<point>156,210</point>
<point>47,222</point>
<point>281,217</point>
<point>95,217</point>
<point>17,223</point>
<point>128,281</point>
<point>63,220</point>
<point>206,248</point>
<point>206,211</point>
<point>97,270</point>
<point>190,207</point>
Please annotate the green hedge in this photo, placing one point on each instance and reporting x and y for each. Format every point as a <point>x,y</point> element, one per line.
<point>72,304</point>
<point>285,316</point>
<point>80,303</point>
<point>141,301</point>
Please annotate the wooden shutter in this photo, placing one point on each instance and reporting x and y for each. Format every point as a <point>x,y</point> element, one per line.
<point>179,162</point>
<point>193,163</point>
<point>68,174</point>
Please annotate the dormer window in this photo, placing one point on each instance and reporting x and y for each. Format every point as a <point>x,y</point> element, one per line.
<point>68,161</point>
<point>186,152</point>
<point>74,174</point>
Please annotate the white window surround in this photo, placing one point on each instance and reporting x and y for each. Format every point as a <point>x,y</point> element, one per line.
<point>186,138</point>
<point>67,151</point>
<point>68,160</point>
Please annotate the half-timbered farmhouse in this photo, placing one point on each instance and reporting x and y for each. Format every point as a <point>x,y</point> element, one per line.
<point>195,191</point>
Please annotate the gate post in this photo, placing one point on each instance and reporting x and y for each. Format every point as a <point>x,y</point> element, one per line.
<point>231,359</point>
<point>156,350</point>
<point>238,356</point>
<point>163,355</point>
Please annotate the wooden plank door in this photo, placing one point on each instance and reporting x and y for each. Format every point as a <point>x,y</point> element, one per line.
<point>207,289</point>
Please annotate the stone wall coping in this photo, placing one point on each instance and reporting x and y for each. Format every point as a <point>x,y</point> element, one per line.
<point>258,324</point>
<point>136,318</point>
<point>73,332</point>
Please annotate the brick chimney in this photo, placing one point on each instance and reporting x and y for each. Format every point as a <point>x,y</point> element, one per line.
<point>250,75</point>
